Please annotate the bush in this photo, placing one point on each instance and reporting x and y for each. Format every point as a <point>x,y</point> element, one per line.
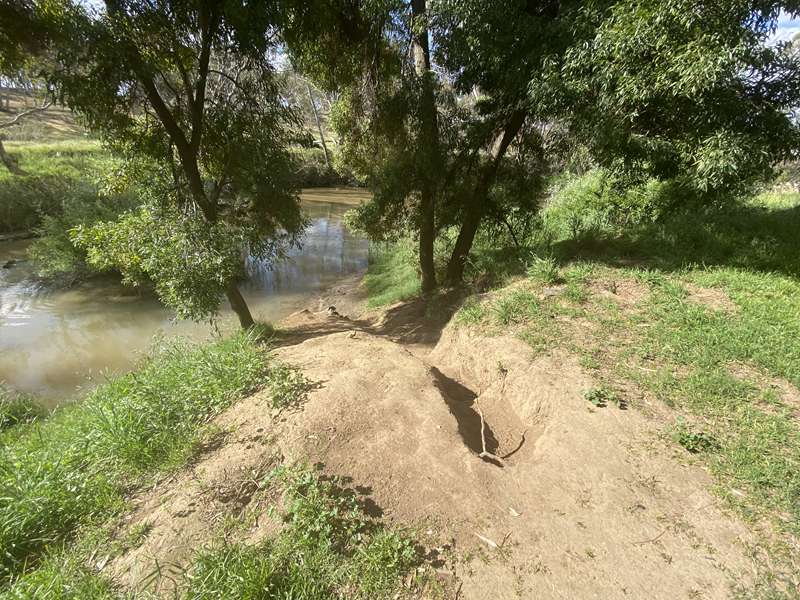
<point>53,252</point>
<point>581,206</point>
<point>313,172</point>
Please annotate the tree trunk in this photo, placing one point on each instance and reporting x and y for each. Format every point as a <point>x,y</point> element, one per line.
<point>319,127</point>
<point>475,210</point>
<point>239,306</point>
<point>9,161</point>
<point>429,140</point>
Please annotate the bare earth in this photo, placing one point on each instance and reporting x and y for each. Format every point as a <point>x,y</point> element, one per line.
<point>575,501</point>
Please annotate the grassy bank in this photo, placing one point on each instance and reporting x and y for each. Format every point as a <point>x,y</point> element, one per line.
<point>74,469</point>
<point>65,482</point>
<point>54,172</point>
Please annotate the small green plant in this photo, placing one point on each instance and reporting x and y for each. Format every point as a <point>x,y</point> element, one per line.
<point>692,439</point>
<point>576,292</point>
<point>516,307</point>
<point>543,269</point>
<point>471,313</point>
<point>288,386</point>
<point>601,396</point>
<point>328,548</point>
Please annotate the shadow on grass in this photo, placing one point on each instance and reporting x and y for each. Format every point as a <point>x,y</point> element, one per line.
<point>748,237</point>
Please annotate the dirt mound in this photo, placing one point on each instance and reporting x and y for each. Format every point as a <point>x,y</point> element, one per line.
<point>575,501</point>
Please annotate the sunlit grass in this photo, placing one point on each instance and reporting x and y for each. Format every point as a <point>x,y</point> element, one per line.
<point>392,274</point>
<point>73,469</point>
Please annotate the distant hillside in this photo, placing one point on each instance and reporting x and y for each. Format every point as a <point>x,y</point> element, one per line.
<point>56,123</point>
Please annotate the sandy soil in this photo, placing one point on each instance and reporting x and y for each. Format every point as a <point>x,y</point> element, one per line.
<point>568,501</point>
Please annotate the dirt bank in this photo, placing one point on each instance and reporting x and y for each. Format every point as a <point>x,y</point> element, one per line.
<point>568,500</point>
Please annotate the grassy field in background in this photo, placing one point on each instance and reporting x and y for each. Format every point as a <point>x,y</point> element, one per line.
<point>55,172</point>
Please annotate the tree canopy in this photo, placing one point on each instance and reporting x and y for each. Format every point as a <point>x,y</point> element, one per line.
<point>454,113</point>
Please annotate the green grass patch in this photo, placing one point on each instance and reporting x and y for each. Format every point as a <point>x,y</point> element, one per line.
<point>17,408</point>
<point>328,548</point>
<point>73,469</point>
<point>756,455</point>
<point>54,172</point>
<point>392,273</point>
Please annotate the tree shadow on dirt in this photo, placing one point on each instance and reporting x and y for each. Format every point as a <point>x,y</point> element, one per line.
<point>416,321</point>
<point>472,428</point>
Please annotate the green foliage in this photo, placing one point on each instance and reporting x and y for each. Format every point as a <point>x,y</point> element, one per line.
<point>190,263</point>
<point>543,269</point>
<point>210,134</point>
<point>693,439</point>
<point>678,90</point>
<point>516,307</point>
<point>75,467</point>
<point>392,274</point>
<point>600,202</point>
<point>313,172</point>
<point>328,548</point>
<point>17,408</point>
<point>473,312</point>
<point>53,251</point>
<point>601,396</point>
<point>288,386</point>
<point>62,576</point>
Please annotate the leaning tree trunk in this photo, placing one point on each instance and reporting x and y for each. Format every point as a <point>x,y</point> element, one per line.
<point>429,139</point>
<point>319,127</point>
<point>476,208</point>
<point>9,161</point>
<point>239,306</point>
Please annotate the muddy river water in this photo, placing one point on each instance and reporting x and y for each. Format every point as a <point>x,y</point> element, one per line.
<point>53,342</point>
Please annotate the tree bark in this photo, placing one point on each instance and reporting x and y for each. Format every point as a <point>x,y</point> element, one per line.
<point>239,306</point>
<point>9,161</point>
<point>319,127</point>
<point>475,210</point>
<point>429,140</point>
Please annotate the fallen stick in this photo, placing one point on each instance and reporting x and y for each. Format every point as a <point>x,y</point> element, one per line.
<point>485,453</point>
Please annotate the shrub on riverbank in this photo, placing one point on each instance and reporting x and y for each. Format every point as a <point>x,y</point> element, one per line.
<point>74,468</point>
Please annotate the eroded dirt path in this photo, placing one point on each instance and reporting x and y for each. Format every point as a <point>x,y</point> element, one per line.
<point>581,502</point>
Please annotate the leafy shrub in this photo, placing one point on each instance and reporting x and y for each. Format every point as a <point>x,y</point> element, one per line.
<point>313,172</point>
<point>584,206</point>
<point>53,252</point>
<point>543,268</point>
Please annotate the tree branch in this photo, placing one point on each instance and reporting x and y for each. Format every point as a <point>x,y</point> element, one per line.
<point>26,113</point>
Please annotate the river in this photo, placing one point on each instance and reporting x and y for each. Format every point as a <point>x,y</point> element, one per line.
<point>55,342</point>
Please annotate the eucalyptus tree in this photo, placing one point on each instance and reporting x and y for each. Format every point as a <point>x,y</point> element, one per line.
<point>186,90</point>
<point>670,89</point>
<point>690,91</point>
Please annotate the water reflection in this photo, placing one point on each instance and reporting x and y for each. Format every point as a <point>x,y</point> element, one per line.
<point>54,341</point>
